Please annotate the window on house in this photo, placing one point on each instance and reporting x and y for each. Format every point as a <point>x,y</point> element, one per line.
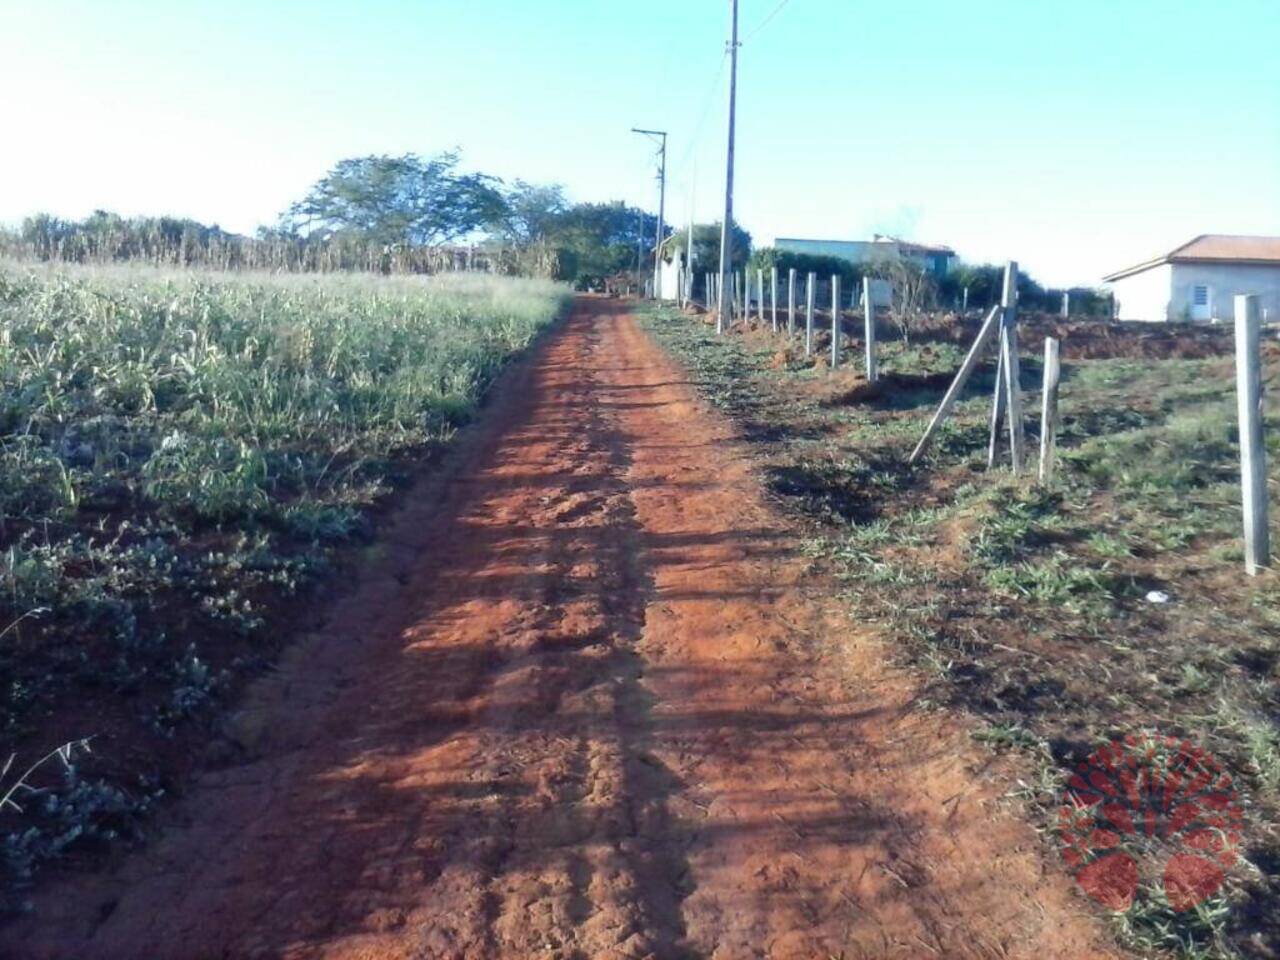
<point>1200,296</point>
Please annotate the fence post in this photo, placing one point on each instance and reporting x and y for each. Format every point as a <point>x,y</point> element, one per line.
<point>970,363</point>
<point>810,291</point>
<point>1253,466</point>
<point>791,301</point>
<point>835,320</point>
<point>1012,371</point>
<point>1049,410</point>
<point>1066,303</point>
<point>997,411</point>
<point>965,309</point>
<point>760,295</point>
<point>773,296</point>
<point>869,312</point>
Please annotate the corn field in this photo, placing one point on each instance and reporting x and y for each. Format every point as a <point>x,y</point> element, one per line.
<point>179,450</point>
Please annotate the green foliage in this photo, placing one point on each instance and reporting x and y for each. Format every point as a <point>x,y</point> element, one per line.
<point>706,246</point>
<point>182,447</point>
<point>406,199</point>
<point>803,263</point>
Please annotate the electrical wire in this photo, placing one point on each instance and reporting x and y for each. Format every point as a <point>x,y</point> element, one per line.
<point>765,22</point>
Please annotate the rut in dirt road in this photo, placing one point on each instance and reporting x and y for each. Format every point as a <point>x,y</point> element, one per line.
<point>590,704</point>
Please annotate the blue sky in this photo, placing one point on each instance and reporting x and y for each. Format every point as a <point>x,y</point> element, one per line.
<point>1077,136</point>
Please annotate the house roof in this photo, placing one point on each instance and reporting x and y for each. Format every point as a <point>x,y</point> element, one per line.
<point>1213,248</point>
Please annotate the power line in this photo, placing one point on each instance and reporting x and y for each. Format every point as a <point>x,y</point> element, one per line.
<point>765,22</point>
<point>707,103</point>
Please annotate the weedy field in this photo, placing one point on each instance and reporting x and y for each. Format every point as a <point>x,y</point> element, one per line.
<point>181,457</point>
<point>1028,605</point>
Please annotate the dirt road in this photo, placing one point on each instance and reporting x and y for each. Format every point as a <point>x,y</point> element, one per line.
<point>589,703</point>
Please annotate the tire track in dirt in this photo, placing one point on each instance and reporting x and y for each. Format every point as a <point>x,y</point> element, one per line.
<point>589,703</point>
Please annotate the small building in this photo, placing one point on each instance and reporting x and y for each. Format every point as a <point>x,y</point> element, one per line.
<point>935,259</point>
<point>1200,280</point>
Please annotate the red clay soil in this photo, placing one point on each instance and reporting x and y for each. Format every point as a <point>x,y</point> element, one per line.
<point>589,703</point>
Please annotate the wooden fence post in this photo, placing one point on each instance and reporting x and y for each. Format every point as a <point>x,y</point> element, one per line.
<point>989,327</point>
<point>791,301</point>
<point>1012,370</point>
<point>773,296</point>
<point>1049,410</point>
<point>869,313</point>
<point>835,320</point>
<point>809,293</point>
<point>1253,464</point>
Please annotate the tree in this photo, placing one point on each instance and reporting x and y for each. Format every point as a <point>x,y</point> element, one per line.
<point>913,291</point>
<point>601,239</point>
<point>534,212</point>
<point>706,247</point>
<point>404,199</point>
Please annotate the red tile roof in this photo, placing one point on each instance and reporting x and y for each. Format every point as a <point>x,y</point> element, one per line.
<point>1213,248</point>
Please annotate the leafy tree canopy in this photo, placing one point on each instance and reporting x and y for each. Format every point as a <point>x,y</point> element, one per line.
<point>405,199</point>
<point>706,246</point>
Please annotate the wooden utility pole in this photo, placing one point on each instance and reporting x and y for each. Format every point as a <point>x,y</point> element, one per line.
<point>1253,462</point>
<point>1049,409</point>
<point>726,227</point>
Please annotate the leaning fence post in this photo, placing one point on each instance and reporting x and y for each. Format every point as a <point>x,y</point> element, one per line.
<point>810,290</point>
<point>1253,466</point>
<point>869,312</point>
<point>989,327</point>
<point>1012,372</point>
<point>773,296</point>
<point>791,301</point>
<point>1049,409</point>
<point>997,411</point>
<point>835,321</point>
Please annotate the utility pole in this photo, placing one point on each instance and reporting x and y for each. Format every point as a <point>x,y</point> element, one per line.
<point>726,228</point>
<point>661,137</point>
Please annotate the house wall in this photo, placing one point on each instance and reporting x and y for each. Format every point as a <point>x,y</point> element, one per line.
<point>1167,292</point>
<point>1225,281</point>
<point>1145,296</point>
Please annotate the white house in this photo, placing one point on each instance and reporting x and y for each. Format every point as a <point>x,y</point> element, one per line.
<point>1200,280</point>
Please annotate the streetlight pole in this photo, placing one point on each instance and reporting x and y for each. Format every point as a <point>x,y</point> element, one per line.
<point>661,137</point>
<point>726,227</point>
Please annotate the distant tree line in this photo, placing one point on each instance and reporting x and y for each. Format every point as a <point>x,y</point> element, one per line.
<point>413,214</point>
<point>381,213</point>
